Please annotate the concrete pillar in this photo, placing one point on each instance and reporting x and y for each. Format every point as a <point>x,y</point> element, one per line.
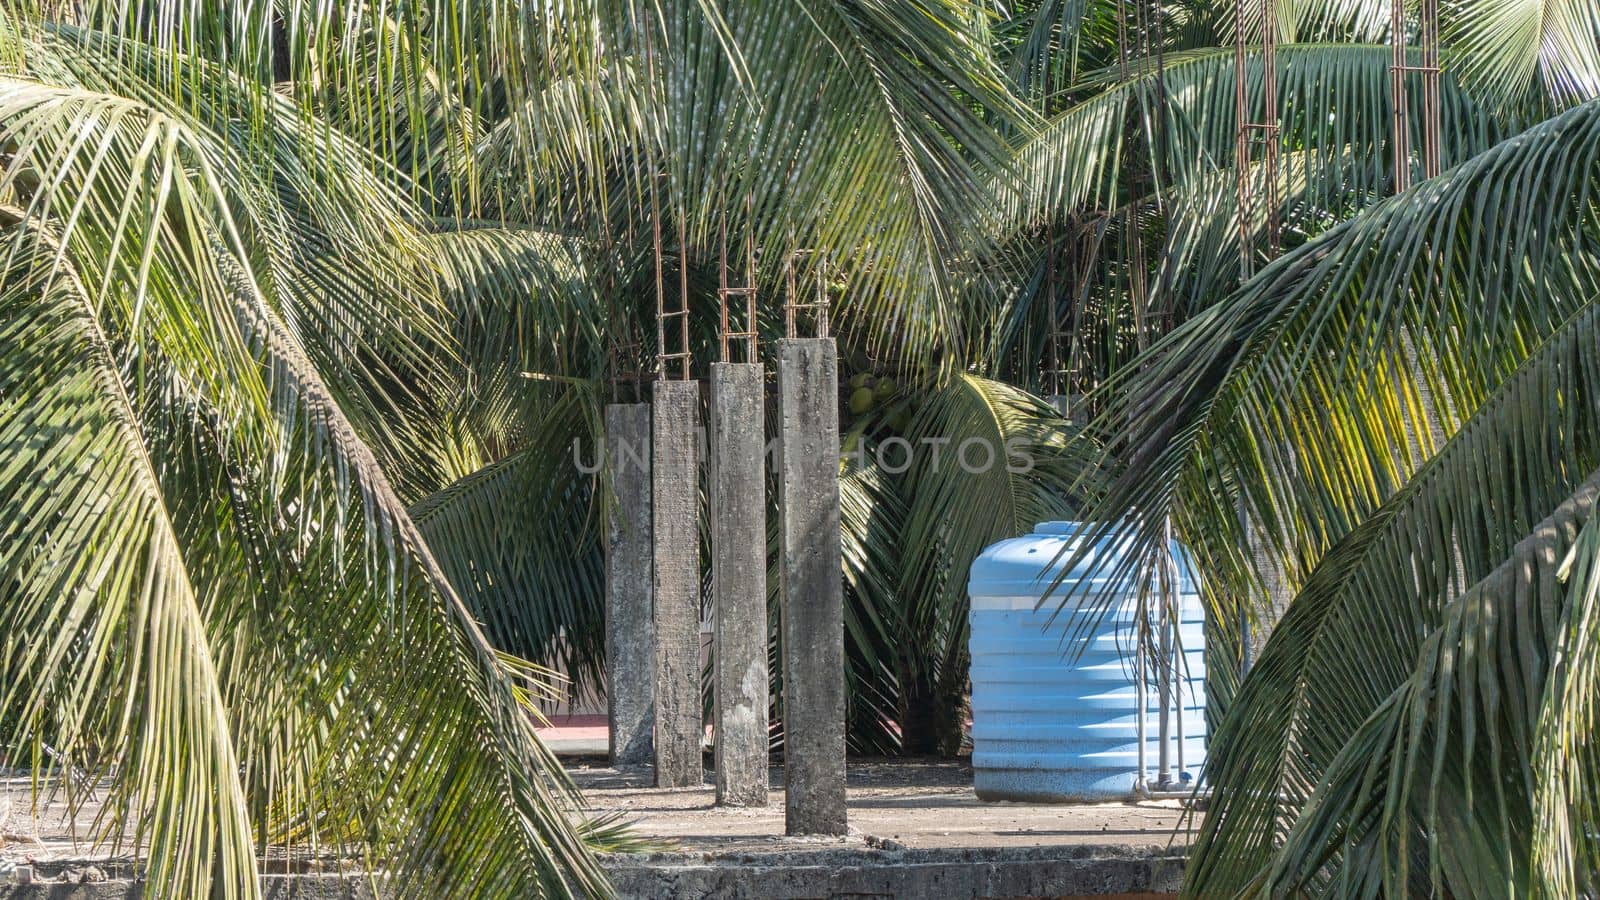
<point>675,504</point>
<point>1071,408</point>
<point>812,606</point>
<point>739,581</point>
<point>1254,631</point>
<point>630,620</point>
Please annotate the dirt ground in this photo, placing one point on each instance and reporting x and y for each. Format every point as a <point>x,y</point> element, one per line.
<point>917,804</point>
<point>43,833</point>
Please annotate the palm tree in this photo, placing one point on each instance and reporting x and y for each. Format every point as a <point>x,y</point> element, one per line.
<point>1123,224</point>
<point>1114,214</point>
<point>869,134</point>
<point>1400,406</point>
<point>215,597</point>
<point>268,285</point>
<point>309,302</point>
<point>1430,686</point>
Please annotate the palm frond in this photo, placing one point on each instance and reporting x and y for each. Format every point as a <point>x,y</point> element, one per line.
<point>1436,789</point>
<point>519,541</point>
<point>872,520</point>
<point>865,131</point>
<point>106,651</point>
<point>1341,358</point>
<point>1335,101</point>
<point>312,579</point>
<point>1355,630</point>
<point>983,461</point>
<point>1509,50</point>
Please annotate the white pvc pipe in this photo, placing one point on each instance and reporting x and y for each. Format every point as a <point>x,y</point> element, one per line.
<point>1140,780</point>
<point>1164,687</point>
<point>1176,660</point>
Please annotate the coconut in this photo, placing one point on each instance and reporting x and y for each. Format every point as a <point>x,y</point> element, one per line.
<point>861,401</point>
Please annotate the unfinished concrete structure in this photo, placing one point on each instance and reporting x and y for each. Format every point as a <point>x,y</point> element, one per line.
<point>739,582</point>
<point>812,592</point>
<point>739,538</point>
<point>630,617</point>
<point>675,506</point>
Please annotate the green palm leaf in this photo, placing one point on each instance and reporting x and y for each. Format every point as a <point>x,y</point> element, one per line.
<point>1439,786</point>
<point>519,540</point>
<point>1311,411</point>
<point>1356,628</point>
<point>342,694</point>
<point>989,461</point>
<point>1509,49</point>
<point>106,648</point>
<point>1336,108</point>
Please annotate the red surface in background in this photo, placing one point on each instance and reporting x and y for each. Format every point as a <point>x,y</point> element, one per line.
<point>575,727</point>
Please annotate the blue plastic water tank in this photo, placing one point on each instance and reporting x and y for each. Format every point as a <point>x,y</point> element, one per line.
<point>1049,725</point>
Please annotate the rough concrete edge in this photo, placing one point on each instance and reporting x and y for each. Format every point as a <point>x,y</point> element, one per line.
<point>273,887</point>
<point>868,855</point>
<point>954,873</point>
<point>999,872</point>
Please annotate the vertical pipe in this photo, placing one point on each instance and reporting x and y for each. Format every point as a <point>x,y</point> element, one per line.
<point>683,288</point>
<point>1164,666</point>
<point>1141,779</point>
<point>1429,15</point>
<point>661,298</point>
<point>722,287</point>
<point>1269,123</point>
<point>1176,659</point>
<point>1244,207</point>
<point>752,327</point>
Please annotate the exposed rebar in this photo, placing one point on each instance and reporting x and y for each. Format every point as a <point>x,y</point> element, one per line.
<point>818,305</point>
<point>725,329</point>
<point>1427,69</point>
<point>1263,132</point>
<point>682,355</point>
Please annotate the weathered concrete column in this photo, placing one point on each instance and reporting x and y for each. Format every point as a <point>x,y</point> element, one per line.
<point>630,620</point>
<point>739,581</point>
<point>812,607</point>
<point>1071,407</point>
<point>675,468</point>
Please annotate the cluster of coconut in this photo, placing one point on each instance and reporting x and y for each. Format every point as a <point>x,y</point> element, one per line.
<point>872,397</point>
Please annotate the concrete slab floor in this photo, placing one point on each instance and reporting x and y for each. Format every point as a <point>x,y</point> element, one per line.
<point>915,804</point>
<point>894,804</point>
<point>916,831</point>
<point>43,831</point>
